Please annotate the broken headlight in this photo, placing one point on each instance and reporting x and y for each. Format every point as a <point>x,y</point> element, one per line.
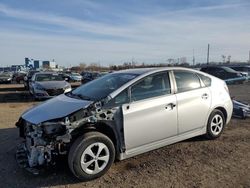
<point>54,129</point>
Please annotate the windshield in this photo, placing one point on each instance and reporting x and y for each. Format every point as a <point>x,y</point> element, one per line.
<point>48,77</point>
<point>102,87</point>
<point>75,74</point>
<point>229,69</point>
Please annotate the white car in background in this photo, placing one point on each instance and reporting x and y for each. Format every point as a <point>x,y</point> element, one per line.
<point>75,77</point>
<point>123,114</point>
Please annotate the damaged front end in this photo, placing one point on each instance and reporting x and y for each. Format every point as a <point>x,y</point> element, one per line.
<point>42,143</point>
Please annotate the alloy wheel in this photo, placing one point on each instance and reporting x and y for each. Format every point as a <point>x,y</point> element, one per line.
<point>95,158</point>
<point>217,124</point>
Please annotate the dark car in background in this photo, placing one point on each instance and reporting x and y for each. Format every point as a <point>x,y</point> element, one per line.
<point>245,69</point>
<point>5,78</point>
<point>28,77</point>
<point>224,73</point>
<point>89,76</point>
<point>65,76</point>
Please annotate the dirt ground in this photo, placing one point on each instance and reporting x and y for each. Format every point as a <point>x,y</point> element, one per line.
<point>224,162</point>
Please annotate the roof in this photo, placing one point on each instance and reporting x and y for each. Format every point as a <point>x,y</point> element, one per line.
<point>140,71</point>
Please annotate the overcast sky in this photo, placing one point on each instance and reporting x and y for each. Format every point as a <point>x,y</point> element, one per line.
<point>115,31</point>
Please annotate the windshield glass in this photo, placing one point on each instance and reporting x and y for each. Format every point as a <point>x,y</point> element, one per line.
<point>75,74</point>
<point>48,77</point>
<point>229,69</point>
<point>102,87</point>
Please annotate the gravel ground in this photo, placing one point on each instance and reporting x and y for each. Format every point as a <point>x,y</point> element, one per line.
<point>192,163</point>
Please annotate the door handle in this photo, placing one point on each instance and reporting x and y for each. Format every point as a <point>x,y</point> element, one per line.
<point>170,105</point>
<point>204,96</point>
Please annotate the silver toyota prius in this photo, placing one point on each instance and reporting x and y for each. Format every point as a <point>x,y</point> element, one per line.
<point>120,115</point>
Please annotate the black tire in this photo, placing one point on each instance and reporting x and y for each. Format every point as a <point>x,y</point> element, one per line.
<point>78,148</point>
<point>211,128</point>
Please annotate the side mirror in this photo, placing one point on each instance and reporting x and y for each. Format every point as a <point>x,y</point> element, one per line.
<point>66,79</point>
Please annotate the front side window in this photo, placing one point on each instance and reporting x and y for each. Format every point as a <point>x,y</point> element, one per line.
<point>186,81</point>
<point>120,99</point>
<point>151,86</point>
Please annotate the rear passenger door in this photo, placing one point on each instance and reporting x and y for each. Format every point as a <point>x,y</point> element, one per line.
<point>193,101</point>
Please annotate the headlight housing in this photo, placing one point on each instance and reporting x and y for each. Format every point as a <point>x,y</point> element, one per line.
<point>52,129</point>
<point>239,75</point>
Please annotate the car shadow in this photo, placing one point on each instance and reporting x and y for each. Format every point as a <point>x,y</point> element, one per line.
<point>201,138</point>
<point>11,175</point>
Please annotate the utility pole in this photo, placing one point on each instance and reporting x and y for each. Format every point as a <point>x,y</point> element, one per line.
<point>193,58</point>
<point>249,57</point>
<point>208,49</point>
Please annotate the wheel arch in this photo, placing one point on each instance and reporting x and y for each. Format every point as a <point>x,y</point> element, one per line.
<point>223,110</point>
<point>102,127</point>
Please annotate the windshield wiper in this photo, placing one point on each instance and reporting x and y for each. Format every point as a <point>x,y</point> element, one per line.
<point>79,96</point>
<point>84,97</point>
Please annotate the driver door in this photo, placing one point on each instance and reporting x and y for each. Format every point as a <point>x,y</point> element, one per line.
<point>151,115</point>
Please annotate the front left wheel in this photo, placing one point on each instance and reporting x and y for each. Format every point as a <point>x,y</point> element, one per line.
<point>91,155</point>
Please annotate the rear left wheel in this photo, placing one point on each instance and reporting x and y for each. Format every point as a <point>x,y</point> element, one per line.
<point>216,123</point>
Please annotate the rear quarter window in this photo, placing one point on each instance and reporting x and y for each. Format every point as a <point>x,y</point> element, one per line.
<point>186,81</point>
<point>205,79</point>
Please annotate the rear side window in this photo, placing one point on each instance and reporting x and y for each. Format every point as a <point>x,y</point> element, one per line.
<point>151,86</point>
<point>206,80</point>
<point>186,81</point>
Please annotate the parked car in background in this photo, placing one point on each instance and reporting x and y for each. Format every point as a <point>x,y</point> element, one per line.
<point>224,73</point>
<point>75,77</point>
<point>28,77</point>
<point>46,85</point>
<point>18,77</point>
<point>89,76</point>
<point>65,76</point>
<point>5,78</point>
<point>121,115</point>
<point>244,69</point>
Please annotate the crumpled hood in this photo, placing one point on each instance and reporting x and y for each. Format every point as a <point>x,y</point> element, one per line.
<point>53,84</point>
<point>57,107</point>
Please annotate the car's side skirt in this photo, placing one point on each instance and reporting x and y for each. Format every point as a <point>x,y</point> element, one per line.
<point>161,143</point>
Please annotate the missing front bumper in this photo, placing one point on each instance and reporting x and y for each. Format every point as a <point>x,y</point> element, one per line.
<point>22,160</point>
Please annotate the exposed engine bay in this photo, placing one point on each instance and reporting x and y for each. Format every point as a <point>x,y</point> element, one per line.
<point>45,141</point>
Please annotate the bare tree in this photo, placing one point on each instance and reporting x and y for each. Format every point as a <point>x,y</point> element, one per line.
<point>223,58</point>
<point>228,59</point>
